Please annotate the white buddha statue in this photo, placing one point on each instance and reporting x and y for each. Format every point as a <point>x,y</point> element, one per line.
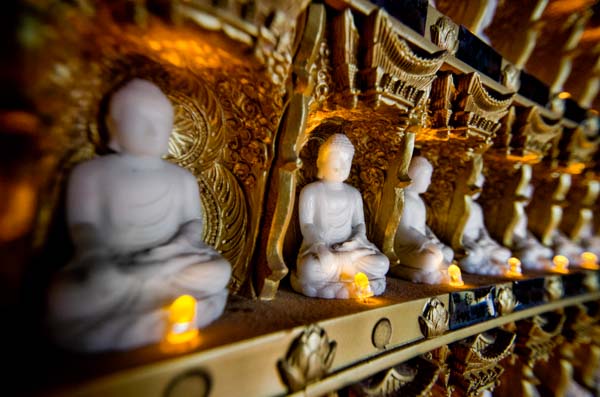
<point>483,255</point>
<point>136,224</point>
<point>335,246</point>
<point>532,254</point>
<point>563,245</point>
<point>422,256</point>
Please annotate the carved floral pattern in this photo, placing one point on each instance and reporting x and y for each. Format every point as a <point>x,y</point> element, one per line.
<point>309,358</point>
<point>435,319</point>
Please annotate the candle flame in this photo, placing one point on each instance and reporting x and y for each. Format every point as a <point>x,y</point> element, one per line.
<point>514,265</point>
<point>589,261</point>
<point>561,264</point>
<point>455,276</point>
<point>182,321</point>
<point>362,287</point>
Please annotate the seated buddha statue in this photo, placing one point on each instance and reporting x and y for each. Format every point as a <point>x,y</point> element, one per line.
<point>136,224</point>
<point>335,246</point>
<point>483,255</point>
<point>422,257</point>
<point>532,254</point>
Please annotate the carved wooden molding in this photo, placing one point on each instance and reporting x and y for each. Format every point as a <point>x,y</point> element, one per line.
<point>532,134</point>
<point>344,48</point>
<point>414,378</point>
<point>546,207</point>
<point>394,74</point>
<point>435,318</point>
<point>476,361</point>
<point>444,34</point>
<point>308,359</point>
<point>504,197</point>
<point>477,110</point>
<point>578,216</point>
<point>268,28</point>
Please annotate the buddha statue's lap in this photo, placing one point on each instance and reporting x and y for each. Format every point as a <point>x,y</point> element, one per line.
<point>532,254</point>
<point>335,247</point>
<point>136,224</point>
<point>422,257</point>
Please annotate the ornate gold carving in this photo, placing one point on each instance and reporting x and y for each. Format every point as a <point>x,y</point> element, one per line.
<point>545,209</point>
<point>578,215</point>
<point>394,74</point>
<point>504,196</point>
<point>415,378</point>
<point>532,134</point>
<point>456,170</point>
<point>477,109</point>
<point>443,93</point>
<point>554,287</point>
<point>392,202</point>
<point>282,196</point>
<point>270,28</point>
<point>435,318</point>
<point>345,57</point>
<point>505,300</point>
<point>225,118</point>
<point>475,365</point>
<point>577,146</point>
<point>308,359</point>
<point>311,51</point>
<point>444,34</point>
<point>511,77</point>
<point>514,29</point>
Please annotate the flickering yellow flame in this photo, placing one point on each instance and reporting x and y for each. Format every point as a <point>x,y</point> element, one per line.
<point>561,264</point>
<point>564,95</point>
<point>182,320</point>
<point>361,284</point>
<point>514,267</point>
<point>455,276</point>
<point>589,261</point>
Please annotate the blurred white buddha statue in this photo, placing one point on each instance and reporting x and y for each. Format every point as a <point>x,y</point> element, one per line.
<point>335,246</point>
<point>136,224</point>
<point>532,254</point>
<point>483,255</point>
<point>422,256</point>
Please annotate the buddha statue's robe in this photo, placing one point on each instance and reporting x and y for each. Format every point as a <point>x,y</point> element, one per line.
<point>137,227</point>
<point>422,256</point>
<point>532,254</point>
<point>335,247</point>
<point>483,254</point>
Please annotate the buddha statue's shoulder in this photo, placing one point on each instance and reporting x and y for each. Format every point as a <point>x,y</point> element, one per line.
<point>179,171</point>
<point>312,189</point>
<point>94,168</point>
<point>352,191</point>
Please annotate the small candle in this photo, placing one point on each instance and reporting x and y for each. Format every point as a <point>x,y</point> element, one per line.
<point>514,267</point>
<point>589,261</point>
<point>182,321</point>
<point>561,264</point>
<point>362,287</point>
<point>455,276</point>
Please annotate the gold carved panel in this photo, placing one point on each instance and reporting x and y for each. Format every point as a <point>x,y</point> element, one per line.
<point>227,110</point>
<point>546,207</point>
<point>504,196</point>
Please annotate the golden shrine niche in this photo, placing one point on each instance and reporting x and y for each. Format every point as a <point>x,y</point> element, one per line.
<point>227,111</point>
<point>257,86</point>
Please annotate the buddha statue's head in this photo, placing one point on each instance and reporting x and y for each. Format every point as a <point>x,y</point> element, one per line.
<point>419,172</point>
<point>140,119</point>
<point>335,158</point>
